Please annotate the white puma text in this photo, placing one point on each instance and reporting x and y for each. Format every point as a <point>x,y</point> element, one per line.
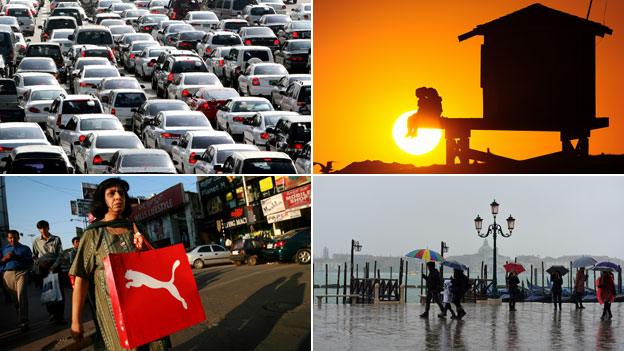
<point>138,279</point>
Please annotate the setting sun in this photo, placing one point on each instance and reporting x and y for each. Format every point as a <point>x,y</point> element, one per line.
<point>426,140</point>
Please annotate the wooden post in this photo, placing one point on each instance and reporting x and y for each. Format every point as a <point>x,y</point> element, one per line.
<point>326,283</point>
<point>532,275</point>
<point>338,285</point>
<point>543,287</point>
<point>357,269</point>
<point>400,271</point>
<point>375,270</point>
<point>390,272</point>
<point>485,280</point>
<point>405,299</point>
<point>344,284</point>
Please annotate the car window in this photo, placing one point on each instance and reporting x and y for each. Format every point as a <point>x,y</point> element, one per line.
<point>204,249</point>
<point>226,39</point>
<point>81,106</point>
<point>270,70</point>
<point>100,124</point>
<point>55,165</point>
<point>268,165</point>
<point>7,88</point>
<point>146,161</point>
<point>217,248</point>
<point>261,54</point>
<point>117,142</point>
<point>101,72</point>
<point>153,109</point>
<point>251,106</point>
<point>71,125</point>
<point>37,64</point>
<point>21,133</point>
<point>189,66</point>
<point>203,142</point>
<point>95,37</point>
<point>187,121</point>
<point>130,99</point>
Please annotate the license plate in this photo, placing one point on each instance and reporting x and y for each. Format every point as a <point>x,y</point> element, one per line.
<point>235,252</point>
<point>269,246</point>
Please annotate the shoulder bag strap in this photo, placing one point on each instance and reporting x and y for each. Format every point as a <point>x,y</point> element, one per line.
<point>136,231</point>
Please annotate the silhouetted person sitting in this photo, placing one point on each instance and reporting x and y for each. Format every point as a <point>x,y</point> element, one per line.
<point>429,111</point>
<point>434,286</point>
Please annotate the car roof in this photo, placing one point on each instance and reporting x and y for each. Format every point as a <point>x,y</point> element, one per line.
<point>126,90</point>
<point>45,87</point>
<point>207,133</point>
<point>249,98</point>
<point>31,74</point>
<point>298,118</point>
<point>37,59</point>
<point>260,154</point>
<point>38,148</point>
<point>79,97</point>
<point>251,47</point>
<point>95,116</point>
<point>124,152</point>
<point>277,113</point>
<point>60,18</point>
<point>177,113</point>
<point>112,133</point>
<point>92,67</point>
<point>242,147</point>
<point>19,125</point>
<point>92,27</point>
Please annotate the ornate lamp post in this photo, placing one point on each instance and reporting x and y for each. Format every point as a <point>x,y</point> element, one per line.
<point>494,230</point>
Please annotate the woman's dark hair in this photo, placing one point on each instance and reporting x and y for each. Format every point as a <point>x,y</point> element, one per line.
<point>99,207</point>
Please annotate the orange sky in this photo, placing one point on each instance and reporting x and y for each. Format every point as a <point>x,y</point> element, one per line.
<point>369,56</point>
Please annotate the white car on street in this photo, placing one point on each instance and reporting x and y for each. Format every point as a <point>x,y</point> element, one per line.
<point>254,129</point>
<point>14,134</point>
<point>169,126</point>
<point>123,102</point>
<point>184,152</point>
<point>79,126</point>
<point>231,116</point>
<point>185,85</point>
<point>98,147</point>
<point>36,99</point>
<point>260,78</point>
<point>90,76</point>
<point>211,161</point>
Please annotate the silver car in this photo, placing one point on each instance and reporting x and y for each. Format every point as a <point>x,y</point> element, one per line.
<point>36,99</point>
<point>14,134</point>
<point>27,80</point>
<point>185,85</point>
<point>93,153</point>
<point>24,17</point>
<point>208,254</point>
<point>187,150</point>
<point>231,116</point>
<point>254,129</point>
<point>211,161</point>
<point>129,56</point>
<point>140,161</point>
<point>91,76</point>
<point>145,61</point>
<point>79,126</point>
<point>169,126</point>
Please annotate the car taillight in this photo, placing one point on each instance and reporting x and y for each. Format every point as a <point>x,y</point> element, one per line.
<point>113,111</point>
<point>295,58</point>
<point>255,81</point>
<point>247,42</point>
<point>147,28</point>
<point>185,92</point>
<point>264,136</point>
<point>192,159</point>
<point>154,11</point>
<point>169,135</point>
<point>110,55</point>
<point>238,119</point>
<point>82,138</point>
<point>279,244</point>
<point>275,42</point>
<point>204,106</point>
<point>34,110</point>
<point>58,119</point>
<point>97,160</point>
<point>298,146</point>
<point>45,36</point>
<point>170,77</point>
<point>32,12</point>
<point>221,62</point>
<point>305,16</point>
<point>132,56</point>
<point>83,54</point>
<point>151,64</point>
<point>295,35</point>
<point>173,15</point>
<point>208,51</point>
<point>7,13</point>
<point>83,84</point>
<point>301,103</point>
<point>5,149</point>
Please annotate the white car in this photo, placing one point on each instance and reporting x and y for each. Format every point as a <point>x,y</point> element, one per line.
<point>129,57</point>
<point>169,126</point>
<point>14,134</point>
<point>202,20</point>
<point>303,161</point>
<point>38,159</point>
<point>122,102</point>
<point>97,148</point>
<point>36,99</point>
<point>254,129</point>
<point>258,162</point>
<point>119,30</point>
<point>184,152</point>
<point>79,126</point>
<point>61,36</point>
<point>140,161</point>
<point>65,107</point>
<point>277,5</point>
<point>217,39</point>
<point>232,25</point>
<point>108,84</point>
<point>91,76</point>
<point>27,80</point>
<point>211,161</point>
<point>301,12</point>
<point>145,61</point>
<point>231,116</point>
<point>260,78</point>
<point>185,85</point>
<point>208,254</point>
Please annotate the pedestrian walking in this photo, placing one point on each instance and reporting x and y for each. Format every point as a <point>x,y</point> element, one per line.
<point>228,243</point>
<point>579,287</point>
<point>606,293</point>
<point>111,232</point>
<point>446,300</point>
<point>74,249</point>
<point>16,262</point>
<point>514,291</point>
<point>459,288</point>
<point>47,252</point>
<point>557,283</point>
<point>434,285</point>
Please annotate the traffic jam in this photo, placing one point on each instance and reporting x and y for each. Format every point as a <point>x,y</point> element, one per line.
<point>155,86</point>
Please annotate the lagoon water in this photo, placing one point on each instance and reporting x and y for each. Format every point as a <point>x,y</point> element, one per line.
<point>486,327</point>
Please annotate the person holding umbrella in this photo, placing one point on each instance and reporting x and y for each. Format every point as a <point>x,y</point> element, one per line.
<point>512,286</point>
<point>433,284</point>
<point>557,283</point>
<point>459,286</point>
<point>605,293</point>
<point>579,287</point>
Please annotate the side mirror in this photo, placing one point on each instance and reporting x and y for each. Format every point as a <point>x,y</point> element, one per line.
<point>41,27</point>
<point>70,37</point>
<point>142,86</point>
<point>46,109</point>
<point>174,143</point>
<point>174,162</point>
<point>60,126</point>
<point>77,142</point>
<point>270,130</point>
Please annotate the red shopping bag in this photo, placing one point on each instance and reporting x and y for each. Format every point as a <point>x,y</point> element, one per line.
<point>153,294</point>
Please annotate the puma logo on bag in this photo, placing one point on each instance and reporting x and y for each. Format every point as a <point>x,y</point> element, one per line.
<point>138,279</point>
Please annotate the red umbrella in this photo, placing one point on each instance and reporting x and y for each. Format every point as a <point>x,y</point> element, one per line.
<point>515,267</point>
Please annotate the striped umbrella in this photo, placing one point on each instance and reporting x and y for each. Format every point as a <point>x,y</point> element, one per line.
<point>425,255</point>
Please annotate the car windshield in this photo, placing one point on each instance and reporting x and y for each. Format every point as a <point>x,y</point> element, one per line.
<point>101,72</point>
<point>304,94</point>
<point>40,80</point>
<point>55,165</point>
<point>203,142</point>
<point>207,79</point>
<point>302,25</point>
<point>95,37</point>
<point>121,84</point>
<point>268,165</point>
<point>196,65</point>
<point>21,133</point>
<point>60,35</point>
<point>117,142</point>
<point>154,19</point>
<point>277,19</point>
<point>301,131</point>
<point>177,28</point>
<point>121,29</point>
<point>155,53</point>
<point>226,39</point>
<point>261,54</point>
<point>272,69</point>
<point>235,25</point>
<point>219,94</point>
<point>259,11</point>
<point>259,31</point>
<point>146,161</point>
<point>187,121</point>
<point>7,87</point>
<point>81,106</point>
<point>191,35</point>
<point>96,53</point>
<point>153,109</point>
<point>204,16</point>
<point>135,13</point>
<point>18,12</point>
<point>141,46</point>
<point>129,38</point>
<point>100,124</point>
<point>222,155</point>
<point>121,7</point>
<point>8,21</point>
<point>82,63</point>
<point>271,120</point>
<point>104,3</point>
<point>158,3</point>
<point>45,94</point>
<point>130,99</point>
<point>300,45</point>
<point>251,106</point>
<point>37,65</point>
<point>112,22</point>
<point>60,23</point>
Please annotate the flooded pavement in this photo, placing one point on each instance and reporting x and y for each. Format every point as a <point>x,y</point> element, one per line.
<point>486,327</point>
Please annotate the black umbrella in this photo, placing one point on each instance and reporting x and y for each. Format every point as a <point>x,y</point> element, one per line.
<point>561,269</point>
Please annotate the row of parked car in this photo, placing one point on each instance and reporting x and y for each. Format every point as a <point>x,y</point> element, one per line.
<point>95,118</point>
<point>292,246</point>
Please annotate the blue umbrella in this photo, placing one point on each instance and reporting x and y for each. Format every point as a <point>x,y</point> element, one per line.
<point>583,261</point>
<point>455,265</point>
<point>606,266</point>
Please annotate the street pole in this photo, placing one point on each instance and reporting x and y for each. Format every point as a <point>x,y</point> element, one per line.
<point>351,279</point>
<point>494,277</point>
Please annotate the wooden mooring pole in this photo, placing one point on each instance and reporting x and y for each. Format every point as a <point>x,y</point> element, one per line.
<point>344,285</point>
<point>326,283</point>
<point>338,285</point>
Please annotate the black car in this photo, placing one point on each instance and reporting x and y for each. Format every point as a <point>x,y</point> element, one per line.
<point>294,55</point>
<point>51,50</point>
<point>188,40</point>
<point>294,245</point>
<point>290,134</point>
<point>295,30</point>
<point>179,8</point>
<point>60,22</point>
<point>247,251</point>
<point>68,11</point>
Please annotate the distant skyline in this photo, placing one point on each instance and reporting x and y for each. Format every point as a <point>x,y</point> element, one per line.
<point>30,199</point>
<point>555,215</point>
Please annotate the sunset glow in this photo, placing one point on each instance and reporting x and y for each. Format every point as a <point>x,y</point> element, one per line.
<point>426,140</point>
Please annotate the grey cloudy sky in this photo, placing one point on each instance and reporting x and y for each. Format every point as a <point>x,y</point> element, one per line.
<point>391,215</point>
